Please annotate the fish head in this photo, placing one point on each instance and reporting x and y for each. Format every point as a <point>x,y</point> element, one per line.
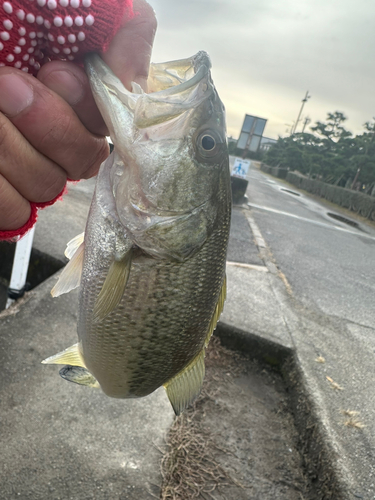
<point>170,144</point>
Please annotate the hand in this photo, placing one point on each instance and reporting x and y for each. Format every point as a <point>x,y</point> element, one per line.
<point>50,127</point>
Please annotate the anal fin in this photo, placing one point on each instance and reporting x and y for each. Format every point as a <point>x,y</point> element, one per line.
<point>70,356</point>
<point>79,375</point>
<point>186,385</point>
<point>113,287</point>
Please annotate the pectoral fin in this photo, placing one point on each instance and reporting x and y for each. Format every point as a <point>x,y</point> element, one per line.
<point>73,245</point>
<point>186,385</point>
<point>113,287</point>
<point>79,375</point>
<point>70,356</point>
<point>70,278</point>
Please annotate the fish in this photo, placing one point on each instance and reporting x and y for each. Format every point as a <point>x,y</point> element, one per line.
<point>150,265</point>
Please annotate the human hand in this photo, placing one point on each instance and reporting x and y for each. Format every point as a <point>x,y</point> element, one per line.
<point>50,127</point>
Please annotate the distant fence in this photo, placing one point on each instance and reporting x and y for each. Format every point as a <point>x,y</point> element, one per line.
<point>359,203</point>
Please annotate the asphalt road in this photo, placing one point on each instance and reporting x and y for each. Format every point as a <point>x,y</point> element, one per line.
<point>329,264</point>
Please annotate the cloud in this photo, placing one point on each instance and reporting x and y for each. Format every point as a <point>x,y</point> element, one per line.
<point>267,53</point>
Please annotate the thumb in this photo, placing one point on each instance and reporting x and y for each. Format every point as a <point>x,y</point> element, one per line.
<point>129,53</point>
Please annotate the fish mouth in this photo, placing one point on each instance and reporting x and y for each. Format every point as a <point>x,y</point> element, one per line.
<point>175,87</point>
<point>165,79</point>
<point>174,77</point>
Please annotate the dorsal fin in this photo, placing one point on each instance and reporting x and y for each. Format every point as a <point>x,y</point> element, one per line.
<point>218,310</point>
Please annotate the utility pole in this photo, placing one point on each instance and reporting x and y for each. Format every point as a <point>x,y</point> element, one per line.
<point>307,96</point>
<point>289,130</point>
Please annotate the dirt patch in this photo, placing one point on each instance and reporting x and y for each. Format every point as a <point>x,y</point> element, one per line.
<point>238,440</point>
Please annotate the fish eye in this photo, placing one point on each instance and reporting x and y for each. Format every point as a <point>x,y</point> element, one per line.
<point>208,143</point>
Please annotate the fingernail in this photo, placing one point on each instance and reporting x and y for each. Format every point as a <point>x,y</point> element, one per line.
<point>66,85</point>
<point>15,94</point>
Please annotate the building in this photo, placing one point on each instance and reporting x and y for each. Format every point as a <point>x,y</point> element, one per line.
<point>266,143</point>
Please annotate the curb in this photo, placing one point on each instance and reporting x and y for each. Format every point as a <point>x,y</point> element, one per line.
<point>317,453</point>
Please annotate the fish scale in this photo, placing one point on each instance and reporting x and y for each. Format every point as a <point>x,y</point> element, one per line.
<point>139,312</point>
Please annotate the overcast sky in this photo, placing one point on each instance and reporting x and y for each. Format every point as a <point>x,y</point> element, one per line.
<point>267,53</point>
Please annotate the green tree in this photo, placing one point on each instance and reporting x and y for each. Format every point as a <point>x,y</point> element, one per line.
<point>330,153</point>
<point>364,158</point>
<point>332,129</point>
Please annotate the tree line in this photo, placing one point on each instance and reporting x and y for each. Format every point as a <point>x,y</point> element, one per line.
<point>330,153</point>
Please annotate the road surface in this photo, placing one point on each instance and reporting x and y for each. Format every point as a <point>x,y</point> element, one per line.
<point>329,264</point>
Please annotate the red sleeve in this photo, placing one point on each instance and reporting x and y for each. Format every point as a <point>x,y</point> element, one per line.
<point>35,32</point>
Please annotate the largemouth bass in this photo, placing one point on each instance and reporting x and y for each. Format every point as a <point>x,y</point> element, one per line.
<point>151,263</point>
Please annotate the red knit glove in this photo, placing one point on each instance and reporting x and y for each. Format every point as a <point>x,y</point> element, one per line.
<point>16,234</point>
<point>33,32</point>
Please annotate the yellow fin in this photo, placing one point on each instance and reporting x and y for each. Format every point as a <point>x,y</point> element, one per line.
<point>70,356</point>
<point>186,385</point>
<point>70,278</point>
<point>218,310</point>
<point>73,245</point>
<point>79,375</point>
<point>113,287</point>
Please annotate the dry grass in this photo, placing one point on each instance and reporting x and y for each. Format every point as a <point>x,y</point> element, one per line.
<point>320,359</point>
<point>334,384</point>
<point>353,422</point>
<point>189,468</point>
<point>352,419</point>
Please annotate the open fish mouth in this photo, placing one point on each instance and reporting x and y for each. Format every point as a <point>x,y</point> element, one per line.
<point>175,87</point>
<point>176,76</point>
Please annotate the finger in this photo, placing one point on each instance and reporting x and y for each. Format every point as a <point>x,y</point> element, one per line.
<point>50,125</point>
<point>70,82</point>
<point>128,56</point>
<point>14,209</point>
<point>34,176</point>
<point>129,53</point>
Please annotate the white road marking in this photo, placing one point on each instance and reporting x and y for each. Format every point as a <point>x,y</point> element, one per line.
<point>317,223</point>
<point>248,266</point>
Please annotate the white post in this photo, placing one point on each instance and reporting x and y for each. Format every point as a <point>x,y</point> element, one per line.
<point>20,264</point>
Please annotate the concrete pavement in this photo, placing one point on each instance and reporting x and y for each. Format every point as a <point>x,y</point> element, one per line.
<point>63,441</point>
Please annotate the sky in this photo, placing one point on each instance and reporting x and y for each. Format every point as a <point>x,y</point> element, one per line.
<point>267,53</point>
